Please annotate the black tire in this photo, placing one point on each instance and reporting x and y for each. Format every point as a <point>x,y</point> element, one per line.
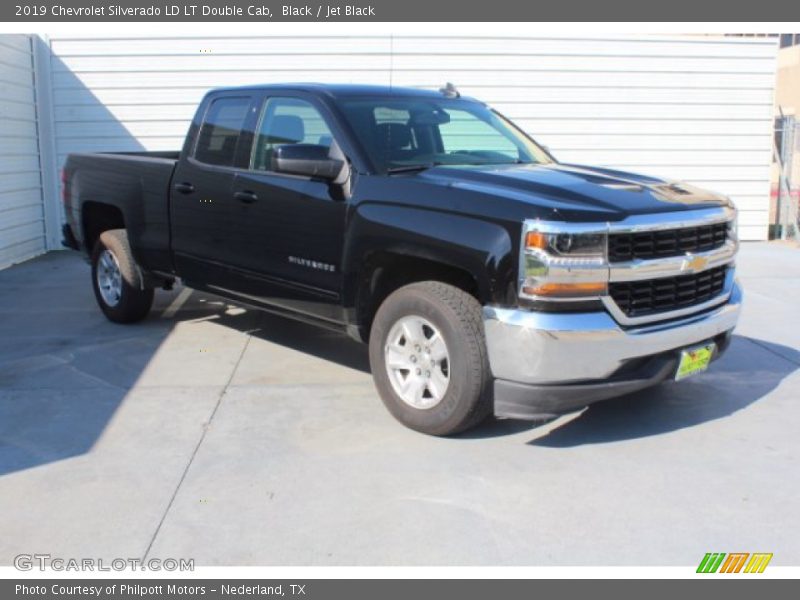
<point>135,299</point>
<point>457,317</point>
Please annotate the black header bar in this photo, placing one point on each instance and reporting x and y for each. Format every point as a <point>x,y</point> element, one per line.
<point>35,11</point>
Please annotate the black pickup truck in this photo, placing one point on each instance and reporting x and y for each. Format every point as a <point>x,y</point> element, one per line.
<point>485,275</point>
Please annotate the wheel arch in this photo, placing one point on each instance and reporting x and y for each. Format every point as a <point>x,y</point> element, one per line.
<point>97,217</point>
<point>397,245</point>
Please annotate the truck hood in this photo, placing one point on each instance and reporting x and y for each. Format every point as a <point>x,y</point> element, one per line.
<point>568,189</point>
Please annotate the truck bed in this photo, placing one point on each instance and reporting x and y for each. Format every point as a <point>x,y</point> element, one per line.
<point>173,155</point>
<point>137,184</point>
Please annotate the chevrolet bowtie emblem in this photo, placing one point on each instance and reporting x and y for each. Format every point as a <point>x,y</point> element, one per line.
<point>694,263</point>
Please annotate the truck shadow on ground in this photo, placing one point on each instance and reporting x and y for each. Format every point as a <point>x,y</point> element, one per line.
<point>288,333</point>
<point>65,370</point>
<point>749,371</point>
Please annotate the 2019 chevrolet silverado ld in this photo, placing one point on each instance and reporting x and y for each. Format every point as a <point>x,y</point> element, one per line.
<point>485,275</point>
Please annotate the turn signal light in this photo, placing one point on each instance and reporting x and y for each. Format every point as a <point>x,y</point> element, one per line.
<point>536,239</point>
<point>567,290</point>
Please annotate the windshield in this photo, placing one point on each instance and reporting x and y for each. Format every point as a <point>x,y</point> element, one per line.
<point>403,133</point>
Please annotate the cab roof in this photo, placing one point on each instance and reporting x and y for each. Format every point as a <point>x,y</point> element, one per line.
<point>342,90</point>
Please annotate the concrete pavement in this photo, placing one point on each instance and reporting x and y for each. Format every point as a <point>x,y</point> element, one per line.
<point>233,437</point>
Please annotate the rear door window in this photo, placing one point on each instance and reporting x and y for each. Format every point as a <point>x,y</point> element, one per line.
<point>221,131</point>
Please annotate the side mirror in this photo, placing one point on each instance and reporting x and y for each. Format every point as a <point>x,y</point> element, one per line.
<point>310,160</point>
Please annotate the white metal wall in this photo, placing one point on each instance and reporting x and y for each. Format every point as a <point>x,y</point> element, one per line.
<point>693,108</point>
<point>22,226</point>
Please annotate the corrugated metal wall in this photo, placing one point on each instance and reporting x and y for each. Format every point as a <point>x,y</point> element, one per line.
<point>693,108</point>
<point>22,228</point>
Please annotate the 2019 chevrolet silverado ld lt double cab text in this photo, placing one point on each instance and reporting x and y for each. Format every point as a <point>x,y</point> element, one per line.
<point>485,275</point>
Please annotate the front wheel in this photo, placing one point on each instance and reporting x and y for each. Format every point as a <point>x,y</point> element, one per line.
<point>116,280</point>
<point>428,358</point>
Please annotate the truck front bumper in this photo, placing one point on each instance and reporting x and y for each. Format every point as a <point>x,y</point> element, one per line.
<point>546,364</point>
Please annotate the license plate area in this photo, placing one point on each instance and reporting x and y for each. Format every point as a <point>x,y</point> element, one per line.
<point>695,360</point>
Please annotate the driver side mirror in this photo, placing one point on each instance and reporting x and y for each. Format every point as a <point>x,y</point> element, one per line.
<point>309,160</point>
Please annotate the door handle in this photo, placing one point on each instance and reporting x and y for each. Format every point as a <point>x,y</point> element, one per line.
<point>184,187</point>
<point>245,196</point>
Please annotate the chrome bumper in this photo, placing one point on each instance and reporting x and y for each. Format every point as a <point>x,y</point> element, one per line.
<point>540,348</point>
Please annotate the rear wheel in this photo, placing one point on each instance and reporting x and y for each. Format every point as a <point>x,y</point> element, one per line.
<point>116,280</point>
<point>428,358</point>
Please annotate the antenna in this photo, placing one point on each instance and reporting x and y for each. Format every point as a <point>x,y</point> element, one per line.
<point>450,91</point>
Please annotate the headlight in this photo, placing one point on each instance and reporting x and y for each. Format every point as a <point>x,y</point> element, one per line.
<point>591,245</point>
<point>733,227</point>
<point>563,265</point>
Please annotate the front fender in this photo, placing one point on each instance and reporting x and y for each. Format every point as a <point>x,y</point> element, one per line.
<point>485,249</point>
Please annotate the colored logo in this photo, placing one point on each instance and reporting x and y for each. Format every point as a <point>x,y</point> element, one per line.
<point>735,562</point>
<point>694,263</point>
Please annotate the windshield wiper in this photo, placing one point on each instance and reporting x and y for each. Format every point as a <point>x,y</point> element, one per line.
<point>430,165</point>
<point>412,168</point>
